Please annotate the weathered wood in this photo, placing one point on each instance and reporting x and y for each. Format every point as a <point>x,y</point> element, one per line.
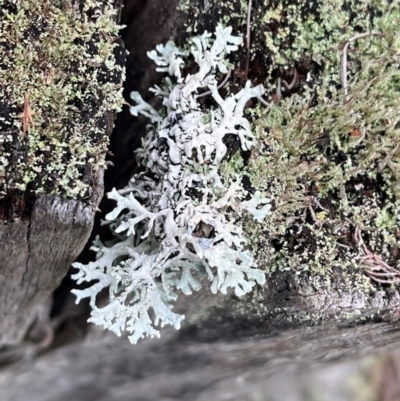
<point>188,365</point>
<point>36,253</point>
<point>42,234</point>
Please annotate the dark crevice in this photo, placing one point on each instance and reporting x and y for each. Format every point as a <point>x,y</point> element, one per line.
<point>28,245</point>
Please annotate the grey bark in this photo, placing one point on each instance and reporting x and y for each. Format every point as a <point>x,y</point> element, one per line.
<point>39,239</point>
<point>199,363</point>
<point>35,255</point>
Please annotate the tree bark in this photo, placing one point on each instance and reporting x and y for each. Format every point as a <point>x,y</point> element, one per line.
<point>36,254</point>
<point>42,234</point>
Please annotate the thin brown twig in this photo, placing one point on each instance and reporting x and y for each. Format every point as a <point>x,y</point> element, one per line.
<point>218,87</point>
<point>374,265</point>
<point>248,43</point>
<point>344,58</point>
<point>27,116</point>
<point>248,40</point>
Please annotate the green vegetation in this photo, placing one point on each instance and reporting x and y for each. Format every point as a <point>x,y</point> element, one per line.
<point>331,166</point>
<point>61,73</point>
<point>329,162</point>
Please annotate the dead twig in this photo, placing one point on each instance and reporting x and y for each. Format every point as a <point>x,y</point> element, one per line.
<point>376,268</point>
<point>27,116</point>
<point>248,40</point>
<point>343,71</point>
<point>218,87</point>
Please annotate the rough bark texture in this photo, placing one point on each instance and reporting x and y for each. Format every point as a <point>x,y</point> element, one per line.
<point>35,255</point>
<point>227,349</point>
<point>42,234</point>
<point>236,365</point>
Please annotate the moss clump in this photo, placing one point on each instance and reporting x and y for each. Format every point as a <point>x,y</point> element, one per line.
<point>331,167</point>
<point>63,62</point>
<point>329,163</point>
<point>287,34</point>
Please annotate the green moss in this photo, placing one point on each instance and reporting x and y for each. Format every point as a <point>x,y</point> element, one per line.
<point>331,165</point>
<point>292,33</point>
<point>328,164</point>
<point>65,58</point>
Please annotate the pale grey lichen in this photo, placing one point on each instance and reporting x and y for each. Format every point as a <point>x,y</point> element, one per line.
<point>182,219</point>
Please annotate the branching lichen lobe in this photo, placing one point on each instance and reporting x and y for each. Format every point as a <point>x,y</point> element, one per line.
<point>322,161</point>
<point>181,220</point>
